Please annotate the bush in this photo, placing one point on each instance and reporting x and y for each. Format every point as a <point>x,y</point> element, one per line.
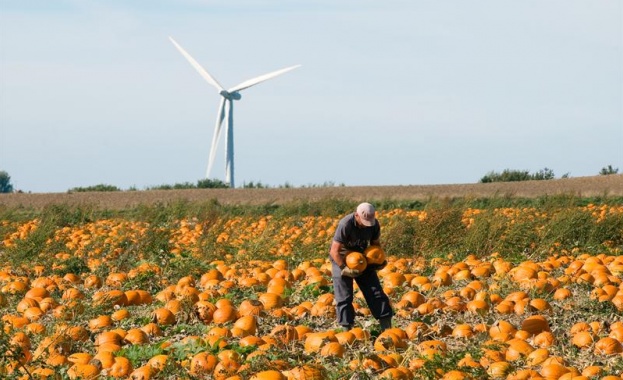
<point>517,175</point>
<point>211,184</point>
<point>5,182</point>
<point>608,170</point>
<point>100,187</point>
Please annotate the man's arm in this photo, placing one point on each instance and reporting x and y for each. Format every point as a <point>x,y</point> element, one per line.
<point>336,247</point>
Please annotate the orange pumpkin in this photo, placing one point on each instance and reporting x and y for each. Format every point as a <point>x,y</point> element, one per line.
<point>356,260</point>
<point>608,346</point>
<point>269,375</point>
<point>121,368</point>
<point>203,363</point>
<point>374,254</point>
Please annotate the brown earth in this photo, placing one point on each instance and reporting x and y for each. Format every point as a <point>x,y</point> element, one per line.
<point>610,186</point>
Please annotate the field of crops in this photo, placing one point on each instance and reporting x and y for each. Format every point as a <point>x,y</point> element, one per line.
<point>499,288</point>
<point>594,186</point>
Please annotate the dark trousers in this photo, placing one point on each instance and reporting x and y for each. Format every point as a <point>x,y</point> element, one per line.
<point>370,286</point>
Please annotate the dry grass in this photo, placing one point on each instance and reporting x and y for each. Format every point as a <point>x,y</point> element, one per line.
<point>611,185</point>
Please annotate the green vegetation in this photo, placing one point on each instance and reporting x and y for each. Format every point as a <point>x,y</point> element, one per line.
<point>100,187</point>
<point>509,175</point>
<point>516,228</point>
<point>5,182</point>
<point>608,170</point>
<point>201,184</point>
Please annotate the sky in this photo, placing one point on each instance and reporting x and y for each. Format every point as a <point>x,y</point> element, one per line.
<point>389,92</point>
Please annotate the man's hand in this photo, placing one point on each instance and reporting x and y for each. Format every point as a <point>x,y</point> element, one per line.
<point>350,272</point>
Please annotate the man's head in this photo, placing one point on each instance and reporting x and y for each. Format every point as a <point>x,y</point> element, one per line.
<point>365,212</point>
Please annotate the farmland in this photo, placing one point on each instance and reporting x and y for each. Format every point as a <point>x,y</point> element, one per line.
<point>610,185</point>
<point>500,281</point>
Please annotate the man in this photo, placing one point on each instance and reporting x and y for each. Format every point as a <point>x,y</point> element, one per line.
<point>355,232</point>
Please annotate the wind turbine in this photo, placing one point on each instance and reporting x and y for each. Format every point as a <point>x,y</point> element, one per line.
<point>226,111</point>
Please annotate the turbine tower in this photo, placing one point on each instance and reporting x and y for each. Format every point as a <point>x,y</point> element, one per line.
<point>226,111</point>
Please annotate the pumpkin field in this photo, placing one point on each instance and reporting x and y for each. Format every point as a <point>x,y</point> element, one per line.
<point>486,288</point>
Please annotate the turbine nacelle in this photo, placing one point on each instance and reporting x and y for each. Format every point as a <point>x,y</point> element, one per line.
<point>230,95</point>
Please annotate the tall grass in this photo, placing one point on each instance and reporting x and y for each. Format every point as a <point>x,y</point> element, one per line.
<point>544,223</point>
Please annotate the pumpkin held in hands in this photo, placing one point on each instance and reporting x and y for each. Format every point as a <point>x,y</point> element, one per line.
<point>374,254</point>
<point>356,260</point>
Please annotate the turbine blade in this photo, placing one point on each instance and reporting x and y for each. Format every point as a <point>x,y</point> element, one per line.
<point>261,78</point>
<point>217,132</point>
<point>197,66</point>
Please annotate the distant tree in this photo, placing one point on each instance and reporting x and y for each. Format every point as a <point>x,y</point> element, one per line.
<point>211,184</point>
<point>506,176</point>
<point>100,187</point>
<point>608,170</point>
<point>543,174</point>
<point>185,185</point>
<point>252,185</point>
<point>5,182</point>
<point>509,175</point>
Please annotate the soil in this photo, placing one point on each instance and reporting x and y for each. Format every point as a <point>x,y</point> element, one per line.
<point>595,186</point>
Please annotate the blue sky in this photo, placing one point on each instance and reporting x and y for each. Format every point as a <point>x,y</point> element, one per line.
<point>389,93</point>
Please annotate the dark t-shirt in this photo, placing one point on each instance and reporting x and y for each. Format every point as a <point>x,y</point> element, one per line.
<point>355,238</point>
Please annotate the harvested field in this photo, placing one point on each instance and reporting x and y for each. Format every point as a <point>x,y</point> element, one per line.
<point>610,185</point>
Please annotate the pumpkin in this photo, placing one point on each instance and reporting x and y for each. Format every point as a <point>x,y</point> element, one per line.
<point>250,307</point>
<point>477,307</point>
<point>390,340</point>
<point>120,315</point>
<point>537,357</point>
<point>204,310</point>
<point>393,373</point>
<point>455,375</point>
<point>544,339</point>
<point>315,340</point>
<point>83,371</point>
<point>608,346</point>
<point>462,331</point>
<point>535,324</point>
<point>356,260</point>
<point>121,368</point>
<point>203,363</point>
<point>271,300</point>
<point>285,333</point>
<point>251,340</point>
<point>247,323</point>
<point>517,349</point>
<point>582,339</point>
<point>224,314</point>
<point>269,375</point>
<point>306,372</point>
<point>374,254</point>
<point>553,370</point>
<point>163,316</point>
<point>158,362</point>
<point>136,336</point>
<point>80,358</point>
<point>333,349</point>
<point>345,337</point>
<point>142,373</point>
<point>499,370</point>
<point>106,358</point>
<point>33,313</point>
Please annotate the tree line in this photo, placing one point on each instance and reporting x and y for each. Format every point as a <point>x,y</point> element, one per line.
<point>507,175</point>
